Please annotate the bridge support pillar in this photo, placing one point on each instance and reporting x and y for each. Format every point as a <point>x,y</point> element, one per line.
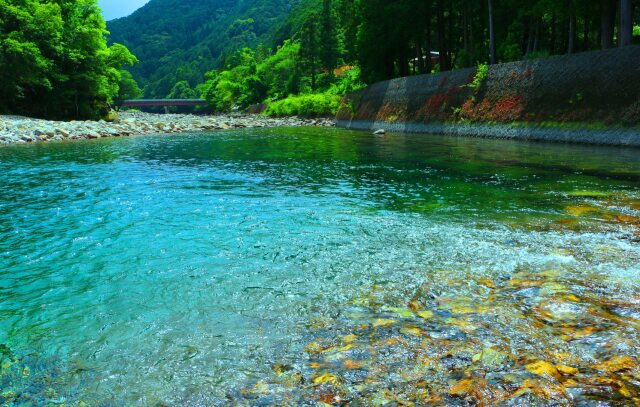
<point>166,110</point>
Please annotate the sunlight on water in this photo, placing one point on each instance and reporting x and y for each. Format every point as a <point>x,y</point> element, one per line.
<point>295,266</point>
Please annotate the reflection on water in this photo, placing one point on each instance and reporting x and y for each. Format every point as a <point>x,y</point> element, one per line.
<point>294,266</point>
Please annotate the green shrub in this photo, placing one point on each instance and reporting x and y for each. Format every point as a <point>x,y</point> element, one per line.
<point>237,87</point>
<point>510,52</point>
<point>481,75</point>
<point>311,105</point>
<point>348,81</point>
<point>112,116</point>
<point>465,59</point>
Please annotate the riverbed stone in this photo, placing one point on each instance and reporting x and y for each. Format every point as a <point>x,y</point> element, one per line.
<point>22,129</point>
<point>62,132</point>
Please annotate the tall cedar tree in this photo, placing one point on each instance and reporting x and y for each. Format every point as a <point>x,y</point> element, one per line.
<point>466,32</point>
<point>349,17</point>
<point>309,49</point>
<point>328,37</point>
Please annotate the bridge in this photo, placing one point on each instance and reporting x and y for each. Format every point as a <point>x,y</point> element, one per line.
<point>166,103</point>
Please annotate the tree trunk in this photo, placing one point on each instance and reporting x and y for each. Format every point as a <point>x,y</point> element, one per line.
<point>313,75</point>
<point>587,31</point>
<point>404,62</point>
<point>389,66</point>
<point>626,22</point>
<point>450,36</point>
<point>465,27</point>
<point>428,65</point>
<point>472,47</point>
<point>492,35</point>
<point>606,23</point>
<point>442,41</point>
<point>554,34</point>
<point>536,40</point>
<point>572,32</point>
<point>530,37</point>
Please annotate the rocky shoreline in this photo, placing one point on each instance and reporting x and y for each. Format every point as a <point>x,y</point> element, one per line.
<point>17,129</point>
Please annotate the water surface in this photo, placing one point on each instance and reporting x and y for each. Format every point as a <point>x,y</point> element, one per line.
<point>292,266</point>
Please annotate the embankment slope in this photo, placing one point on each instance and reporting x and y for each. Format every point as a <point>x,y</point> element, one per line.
<point>591,97</point>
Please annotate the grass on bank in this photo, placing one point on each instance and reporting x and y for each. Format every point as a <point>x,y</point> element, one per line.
<point>310,105</point>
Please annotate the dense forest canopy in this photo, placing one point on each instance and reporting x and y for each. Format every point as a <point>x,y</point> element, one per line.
<point>296,56</point>
<point>339,44</point>
<point>465,33</point>
<point>180,40</point>
<point>266,50</point>
<point>55,61</point>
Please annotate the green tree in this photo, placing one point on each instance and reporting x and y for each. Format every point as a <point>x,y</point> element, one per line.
<point>328,37</point>
<point>90,70</point>
<point>55,60</point>
<point>182,90</point>
<point>30,36</point>
<point>309,49</point>
<point>280,72</point>
<point>375,50</point>
<point>127,88</point>
<point>121,85</point>
<point>626,22</point>
<point>349,18</point>
<point>239,86</point>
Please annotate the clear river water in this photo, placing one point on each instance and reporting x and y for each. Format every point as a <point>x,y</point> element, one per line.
<point>306,266</point>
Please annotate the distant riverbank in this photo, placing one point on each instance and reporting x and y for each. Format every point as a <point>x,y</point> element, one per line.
<point>17,129</point>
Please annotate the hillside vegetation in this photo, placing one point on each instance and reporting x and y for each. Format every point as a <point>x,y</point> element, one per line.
<point>307,53</point>
<point>55,62</point>
<point>180,40</point>
<point>237,54</point>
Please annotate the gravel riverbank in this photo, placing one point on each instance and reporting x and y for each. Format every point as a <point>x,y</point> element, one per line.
<point>17,129</point>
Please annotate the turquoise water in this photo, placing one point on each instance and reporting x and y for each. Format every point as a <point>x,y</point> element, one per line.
<point>290,266</point>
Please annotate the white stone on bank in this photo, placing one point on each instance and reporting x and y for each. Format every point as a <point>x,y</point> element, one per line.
<point>17,129</point>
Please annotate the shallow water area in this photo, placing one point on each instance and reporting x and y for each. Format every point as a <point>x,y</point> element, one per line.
<point>307,266</point>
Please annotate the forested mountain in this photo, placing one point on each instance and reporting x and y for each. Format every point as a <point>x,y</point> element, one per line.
<point>180,40</point>
<point>334,46</point>
<point>239,53</point>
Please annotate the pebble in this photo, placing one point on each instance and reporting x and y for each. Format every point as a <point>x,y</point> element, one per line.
<point>17,129</point>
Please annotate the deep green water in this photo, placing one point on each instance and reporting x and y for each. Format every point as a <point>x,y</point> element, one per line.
<point>195,269</point>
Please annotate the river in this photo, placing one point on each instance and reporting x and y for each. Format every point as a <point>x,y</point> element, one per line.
<point>308,265</point>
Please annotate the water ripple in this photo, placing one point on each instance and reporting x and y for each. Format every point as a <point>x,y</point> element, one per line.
<point>174,270</point>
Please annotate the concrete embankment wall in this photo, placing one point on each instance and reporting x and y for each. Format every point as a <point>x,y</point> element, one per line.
<point>600,90</point>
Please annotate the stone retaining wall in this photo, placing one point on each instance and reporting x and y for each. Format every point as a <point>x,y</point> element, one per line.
<point>600,86</point>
